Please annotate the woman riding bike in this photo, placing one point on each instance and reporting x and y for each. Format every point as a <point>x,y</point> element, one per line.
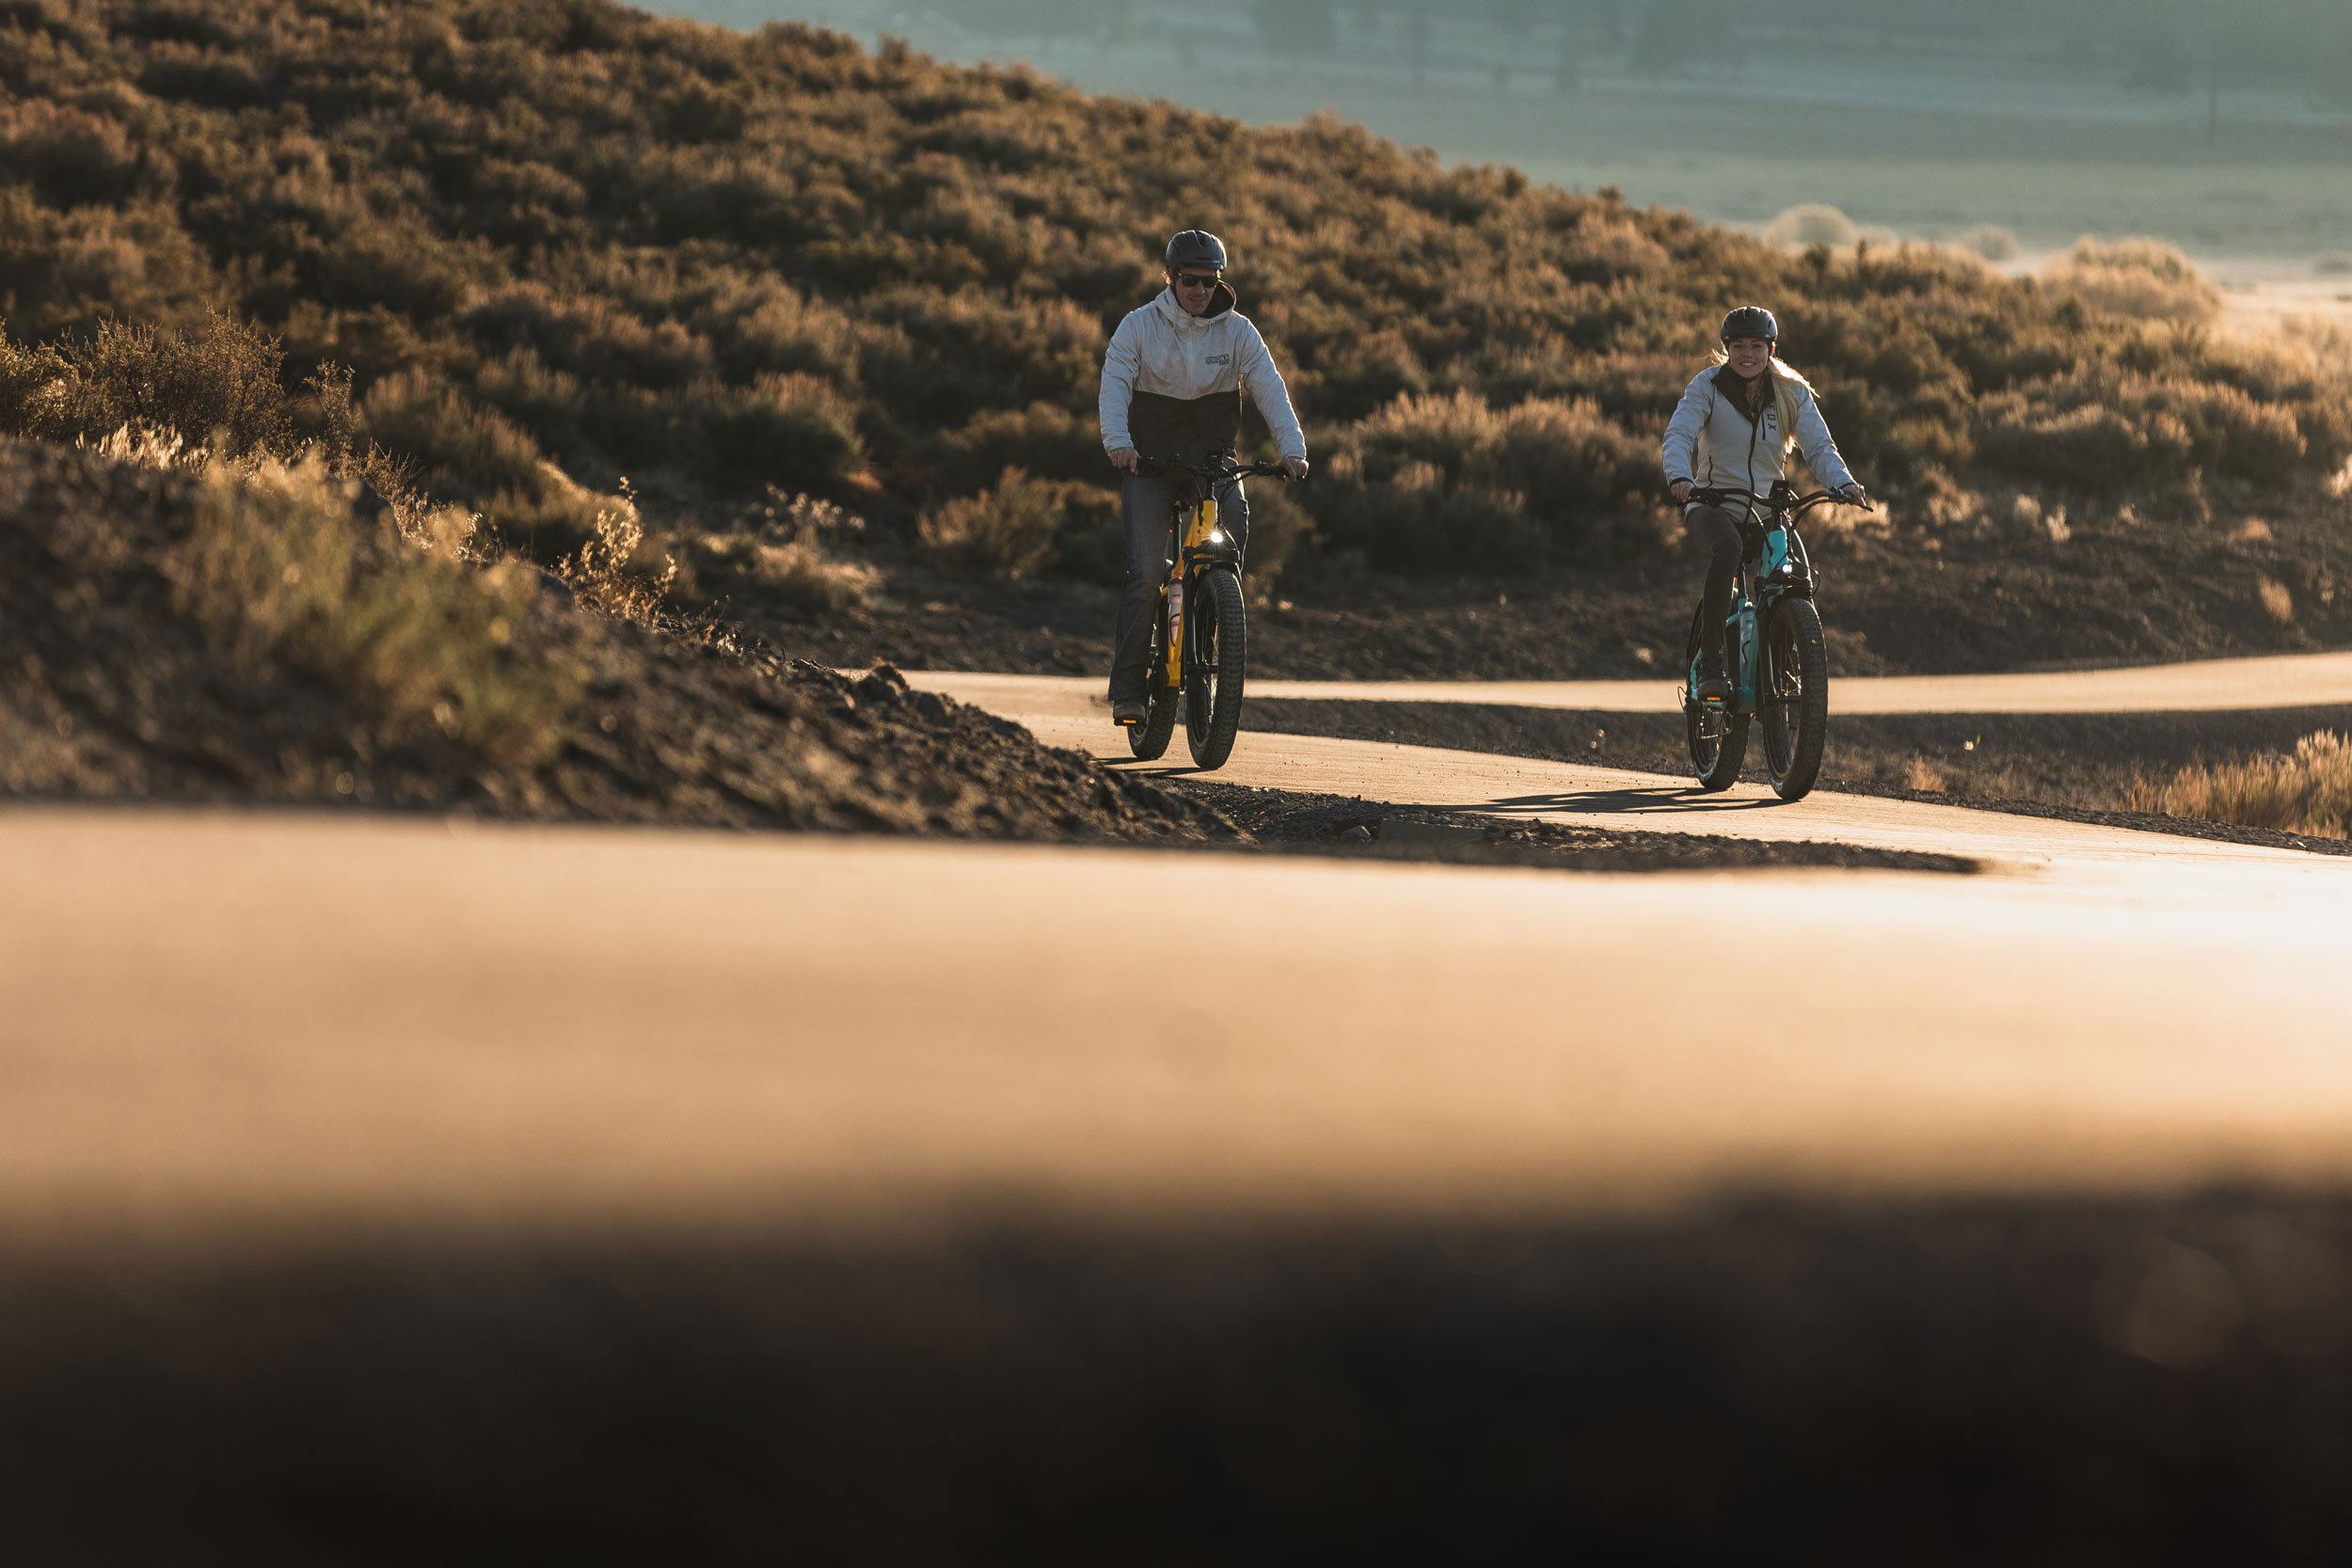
<point>1732,431</point>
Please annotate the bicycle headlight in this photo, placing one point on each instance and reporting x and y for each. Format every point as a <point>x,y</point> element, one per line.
<point>1217,536</point>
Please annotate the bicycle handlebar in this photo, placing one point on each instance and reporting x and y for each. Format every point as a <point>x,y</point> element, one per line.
<point>1796,506</point>
<point>1149,467</point>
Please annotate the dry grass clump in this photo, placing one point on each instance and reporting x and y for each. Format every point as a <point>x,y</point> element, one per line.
<point>603,573</point>
<point>1445,483</point>
<point>277,570</point>
<point>2277,601</point>
<point>2307,792</point>
<point>788,559</point>
<point>308,551</point>
<point>188,398</point>
<point>2125,433</point>
<point>218,385</point>
<point>1006,531</point>
<point>2146,278</point>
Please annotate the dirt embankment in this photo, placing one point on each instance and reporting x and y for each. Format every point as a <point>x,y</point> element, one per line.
<point>156,650</point>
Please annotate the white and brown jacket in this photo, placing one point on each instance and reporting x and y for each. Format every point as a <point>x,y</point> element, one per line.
<point>1172,384</point>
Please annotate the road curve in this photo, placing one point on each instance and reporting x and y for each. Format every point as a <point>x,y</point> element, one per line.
<point>1063,713</point>
<point>266,1025</point>
<point>2207,685</point>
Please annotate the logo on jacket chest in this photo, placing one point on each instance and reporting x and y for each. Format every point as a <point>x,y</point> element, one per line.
<point>1218,359</point>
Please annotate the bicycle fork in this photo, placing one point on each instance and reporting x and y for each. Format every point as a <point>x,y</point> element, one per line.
<point>1198,523</point>
<point>1173,675</point>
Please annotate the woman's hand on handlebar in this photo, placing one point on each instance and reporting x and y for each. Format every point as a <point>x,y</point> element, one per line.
<point>1680,490</point>
<point>1124,460</point>
<point>1294,469</point>
<point>1856,496</point>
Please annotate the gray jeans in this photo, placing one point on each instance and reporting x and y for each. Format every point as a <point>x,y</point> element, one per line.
<point>1145,505</point>
<point>1715,530</point>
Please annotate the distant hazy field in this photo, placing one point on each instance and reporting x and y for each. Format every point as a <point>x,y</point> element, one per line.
<point>1923,148</point>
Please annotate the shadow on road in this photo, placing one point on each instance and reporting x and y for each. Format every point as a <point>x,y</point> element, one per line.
<point>1636,800</point>
<point>1624,800</point>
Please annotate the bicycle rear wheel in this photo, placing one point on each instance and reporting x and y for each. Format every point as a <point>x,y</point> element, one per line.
<point>1795,705</point>
<point>1718,737</point>
<point>1212,679</point>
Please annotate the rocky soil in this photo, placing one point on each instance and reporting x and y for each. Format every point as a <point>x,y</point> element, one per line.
<point>118,688</point>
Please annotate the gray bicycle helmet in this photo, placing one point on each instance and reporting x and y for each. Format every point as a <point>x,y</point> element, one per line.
<point>1196,247</point>
<point>1751,321</point>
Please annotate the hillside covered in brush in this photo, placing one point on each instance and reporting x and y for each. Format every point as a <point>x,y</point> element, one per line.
<point>817,303</point>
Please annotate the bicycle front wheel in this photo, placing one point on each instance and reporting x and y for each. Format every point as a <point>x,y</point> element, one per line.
<point>1212,679</point>
<point>1795,702</point>
<point>1718,737</point>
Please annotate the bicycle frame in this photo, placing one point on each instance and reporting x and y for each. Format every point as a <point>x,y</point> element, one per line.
<point>1773,565</point>
<point>1203,544</point>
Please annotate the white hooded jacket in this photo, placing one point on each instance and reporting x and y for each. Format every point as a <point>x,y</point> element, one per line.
<point>1711,442</point>
<point>1160,350</point>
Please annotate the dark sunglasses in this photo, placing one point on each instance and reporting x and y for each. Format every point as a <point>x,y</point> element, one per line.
<point>1195,280</point>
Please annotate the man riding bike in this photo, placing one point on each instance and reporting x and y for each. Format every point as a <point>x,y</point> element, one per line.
<point>1172,381</point>
<point>1734,426</point>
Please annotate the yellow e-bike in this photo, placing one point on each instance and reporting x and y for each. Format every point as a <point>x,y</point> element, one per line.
<point>1198,629</point>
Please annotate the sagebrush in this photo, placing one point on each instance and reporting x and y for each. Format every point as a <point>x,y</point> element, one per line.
<point>560,231</point>
<point>2308,790</point>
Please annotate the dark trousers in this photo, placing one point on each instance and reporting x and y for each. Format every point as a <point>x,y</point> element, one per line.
<point>1714,531</point>
<point>1145,506</point>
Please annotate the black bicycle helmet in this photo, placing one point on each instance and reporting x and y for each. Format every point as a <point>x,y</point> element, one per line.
<point>1196,247</point>
<point>1751,321</point>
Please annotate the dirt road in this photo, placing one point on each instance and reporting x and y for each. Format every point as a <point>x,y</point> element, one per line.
<point>276,1020</point>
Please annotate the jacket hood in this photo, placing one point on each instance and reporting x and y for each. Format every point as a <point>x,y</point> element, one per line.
<point>1221,299</point>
